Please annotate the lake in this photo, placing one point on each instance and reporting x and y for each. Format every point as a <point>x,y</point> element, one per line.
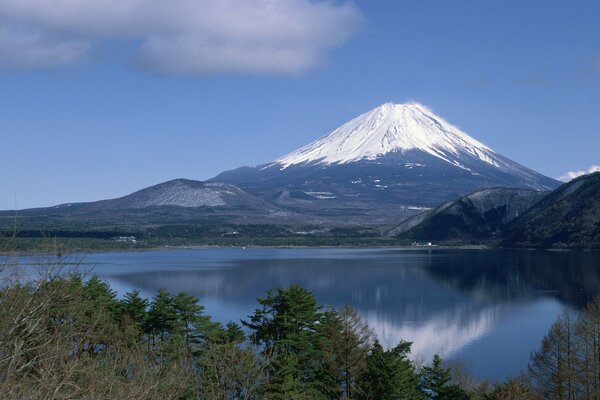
<point>488,309</point>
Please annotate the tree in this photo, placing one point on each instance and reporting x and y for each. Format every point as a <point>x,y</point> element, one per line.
<point>588,365</point>
<point>162,315</point>
<point>345,343</point>
<point>435,382</point>
<point>287,316</point>
<point>136,308</point>
<point>552,367</point>
<point>228,370</point>
<point>188,314</point>
<point>100,295</point>
<point>513,389</point>
<point>287,323</point>
<point>286,381</point>
<point>389,375</point>
<point>328,372</point>
<point>44,326</point>
<point>355,339</point>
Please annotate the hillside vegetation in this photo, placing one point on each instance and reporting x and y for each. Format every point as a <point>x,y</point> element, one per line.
<point>567,217</point>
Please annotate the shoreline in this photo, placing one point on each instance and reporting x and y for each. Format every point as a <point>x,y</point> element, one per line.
<point>466,247</point>
<point>245,246</point>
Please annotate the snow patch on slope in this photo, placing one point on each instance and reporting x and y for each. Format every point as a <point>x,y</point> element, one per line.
<point>183,195</point>
<point>392,128</point>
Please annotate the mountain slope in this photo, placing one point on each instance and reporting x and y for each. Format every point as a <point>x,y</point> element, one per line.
<point>181,193</point>
<point>569,216</point>
<point>176,201</point>
<point>386,163</point>
<point>479,215</point>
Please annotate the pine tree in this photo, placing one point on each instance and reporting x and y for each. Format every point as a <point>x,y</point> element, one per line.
<point>100,295</point>
<point>435,382</point>
<point>288,323</point>
<point>162,315</point>
<point>227,370</point>
<point>285,382</point>
<point>188,313</point>
<point>136,308</point>
<point>328,373</point>
<point>389,375</point>
<point>234,333</point>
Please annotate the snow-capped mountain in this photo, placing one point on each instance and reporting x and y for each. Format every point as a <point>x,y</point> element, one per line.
<point>392,128</point>
<point>378,169</point>
<point>393,160</point>
<point>400,128</point>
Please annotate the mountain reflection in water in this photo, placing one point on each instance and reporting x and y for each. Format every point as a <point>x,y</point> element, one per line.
<point>487,308</point>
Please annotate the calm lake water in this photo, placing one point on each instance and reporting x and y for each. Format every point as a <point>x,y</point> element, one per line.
<point>486,308</point>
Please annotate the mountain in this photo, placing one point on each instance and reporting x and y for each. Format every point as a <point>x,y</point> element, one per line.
<point>483,214</point>
<point>569,216</point>
<point>382,166</point>
<point>175,201</point>
<point>181,193</point>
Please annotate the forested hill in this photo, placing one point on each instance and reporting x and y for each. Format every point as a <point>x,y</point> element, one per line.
<point>569,216</point>
<point>483,214</point>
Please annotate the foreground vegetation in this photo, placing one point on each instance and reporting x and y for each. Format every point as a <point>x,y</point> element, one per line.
<point>65,336</point>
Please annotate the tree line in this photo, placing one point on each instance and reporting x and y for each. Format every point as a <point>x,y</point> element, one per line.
<point>64,336</point>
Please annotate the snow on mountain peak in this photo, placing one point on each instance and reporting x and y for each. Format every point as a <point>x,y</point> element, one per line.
<point>391,128</point>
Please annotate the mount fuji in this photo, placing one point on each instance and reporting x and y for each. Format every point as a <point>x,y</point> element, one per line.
<point>391,161</point>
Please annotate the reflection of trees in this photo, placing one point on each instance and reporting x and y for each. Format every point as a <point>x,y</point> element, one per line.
<point>571,277</point>
<point>441,299</point>
<point>406,284</point>
<point>399,291</point>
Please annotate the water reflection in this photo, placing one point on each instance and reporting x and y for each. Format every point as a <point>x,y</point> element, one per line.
<point>488,308</point>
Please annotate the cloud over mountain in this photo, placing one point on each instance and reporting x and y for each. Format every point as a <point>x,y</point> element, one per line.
<point>178,36</point>
<point>575,174</point>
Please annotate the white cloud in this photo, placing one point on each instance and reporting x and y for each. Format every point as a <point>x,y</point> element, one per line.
<point>574,174</point>
<point>183,36</point>
<point>26,49</point>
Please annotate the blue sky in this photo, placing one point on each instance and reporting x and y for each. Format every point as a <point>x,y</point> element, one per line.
<point>97,102</point>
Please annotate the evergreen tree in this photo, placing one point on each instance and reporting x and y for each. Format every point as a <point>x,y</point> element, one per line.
<point>136,307</point>
<point>99,307</point>
<point>288,323</point>
<point>288,317</point>
<point>328,373</point>
<point>234,333</point>
<point>162,315</point>
<point>189,313</point>
<point>285,382</point>
<point>435,383</point>
<point>389,375</point>
<point>228,370</point>
<point>99,294</point>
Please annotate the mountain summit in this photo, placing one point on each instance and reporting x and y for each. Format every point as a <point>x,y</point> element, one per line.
<point>392,160</point>
<point>392,128</point>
